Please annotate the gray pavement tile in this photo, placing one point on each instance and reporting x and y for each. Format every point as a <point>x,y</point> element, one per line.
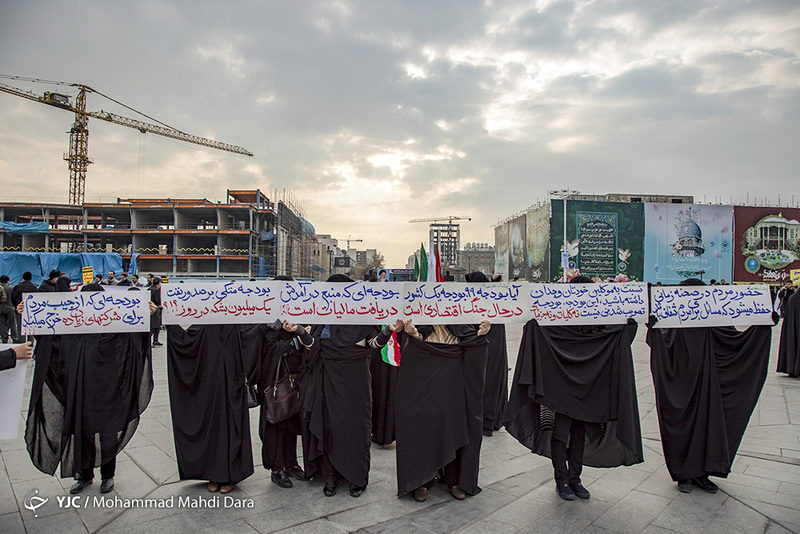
<point>653,529</point>
<point>790,453</point>
<point>789,488</point>
<point>451,515</point>
<point>65,521</point>
<point>12,523</point>
<point>523,511</point>
<point>154,462</point>
<point>776,512</point>
<point>615,483</point>
<point>774,528</point>
<point>397,526</point>
<point>777,471</point>
<point>573,516</point>
<point>526,482</point>
<point>321,526</point>
<point>736,518</point>
<point>633,513</point>
<point>386,510</point>
<point>489,475</point>
<point>690,512</point>
<point>172,524</point>
<point>488,526</point>
<point>751,481</point>
<point>659,483</point>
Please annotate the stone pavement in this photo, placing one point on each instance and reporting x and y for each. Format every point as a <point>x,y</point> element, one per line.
<point>762,494</point>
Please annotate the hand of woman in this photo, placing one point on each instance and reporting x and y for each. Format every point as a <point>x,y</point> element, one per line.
<point>484,328</point>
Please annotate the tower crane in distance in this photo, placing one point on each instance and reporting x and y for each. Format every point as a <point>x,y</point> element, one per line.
<point>349,240</point>
<point>78,156</point>
<point>446,235</point>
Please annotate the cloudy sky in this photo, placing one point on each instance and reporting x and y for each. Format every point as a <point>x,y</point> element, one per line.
<point>376,112</point>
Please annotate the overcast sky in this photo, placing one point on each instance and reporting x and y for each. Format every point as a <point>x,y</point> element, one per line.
<point>376,112</point>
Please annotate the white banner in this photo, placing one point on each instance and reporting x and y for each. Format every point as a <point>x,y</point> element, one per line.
<point>576,304</point>
<point>465,303</point>
<point>341,303</point>
<point>220,302</point>
<point>85,312</point>
<point>12,384</point>
<point>689,306</point>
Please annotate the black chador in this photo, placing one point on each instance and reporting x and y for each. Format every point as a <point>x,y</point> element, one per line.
<point>206,368</point>
<point>495,391</point>
<point>384,385</point>
<point>88,393</point>
<point>573,399</point>
<point>439,409</point>
<point>789,349</point>
<point>283,351</point>
<point>707,383</point>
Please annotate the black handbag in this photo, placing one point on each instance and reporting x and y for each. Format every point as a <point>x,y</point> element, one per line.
<point>282,397</point>
<point>249,389</point>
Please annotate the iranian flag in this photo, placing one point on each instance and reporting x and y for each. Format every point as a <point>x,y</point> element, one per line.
<point>391,351</point>
<point>423,264</point>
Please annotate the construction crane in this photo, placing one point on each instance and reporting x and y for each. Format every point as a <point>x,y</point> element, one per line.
<point>349,240</point>
<point>78,157</point>
<point>446,235</point>
<point>449,219</point>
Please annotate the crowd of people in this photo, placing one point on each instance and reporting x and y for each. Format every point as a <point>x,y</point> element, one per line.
<point>573,396</point>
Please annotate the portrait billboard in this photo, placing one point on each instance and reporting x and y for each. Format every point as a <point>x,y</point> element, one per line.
<point>517,262</point>
<point>537,238</point>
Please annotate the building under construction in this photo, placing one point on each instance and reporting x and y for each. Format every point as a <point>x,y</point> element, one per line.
<point>249,235</point>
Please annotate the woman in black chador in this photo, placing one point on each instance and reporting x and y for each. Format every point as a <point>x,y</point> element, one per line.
<point>287,343</point>
<point>439,408</point>
<point>789,349</point>
<point>336,401</point>
<point>88,393</point>
<point>495,391</point>
<point>707,383</point>
<point>573,399</point>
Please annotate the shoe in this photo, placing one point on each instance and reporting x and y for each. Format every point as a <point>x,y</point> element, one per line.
<point>281,478</point>
<point>297,472</point>
<point>565,492</point>
<point>685,486</point>
<point>420,494</point>
<point>704,484</point>
<point>579,491</point>
<point>106,485</point>
<point>213,487</point>
<point>226,488</point>
<point>458,493</point>
<point>488,432</point>
<point>157,344</point>
<point>356,492</point>
<point>329,490</point>
<point>79,486</point>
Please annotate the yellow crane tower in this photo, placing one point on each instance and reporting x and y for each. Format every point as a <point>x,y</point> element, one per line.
<point>78,155</point>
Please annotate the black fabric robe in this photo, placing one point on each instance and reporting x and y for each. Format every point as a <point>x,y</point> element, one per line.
<point>585,372</point>
<point>384,385</point>
<point>210,419</point>
<point>86,386</point>
<point>707,383</point>
<point>277,343</point>
<point>337,402</point>
<point>495,392</point>
<point>439,408</point>
<point>789,349</point>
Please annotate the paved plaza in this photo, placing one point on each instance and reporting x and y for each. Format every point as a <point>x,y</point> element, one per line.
<point>762,494</point>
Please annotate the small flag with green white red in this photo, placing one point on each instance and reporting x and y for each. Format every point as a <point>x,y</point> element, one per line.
<point>390,353</point>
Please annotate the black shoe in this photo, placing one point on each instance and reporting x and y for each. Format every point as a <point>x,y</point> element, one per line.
<point>685,486</point>
<point>297,472</point>
<point>106,485</point>
<point>565,492</point>
<point>704,484</point>
<point>329,490</point>
<point>157,344</point>
<point>579,490</point>
<point>488,432</point>
<point>281,478</point>
<point>79,486</point>
<point>356,492</point>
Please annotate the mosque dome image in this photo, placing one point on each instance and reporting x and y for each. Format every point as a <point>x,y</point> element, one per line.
<point>690,239</point>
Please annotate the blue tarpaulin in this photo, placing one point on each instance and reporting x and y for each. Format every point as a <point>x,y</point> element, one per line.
<point>24,229</point>
<point>41,263</point>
